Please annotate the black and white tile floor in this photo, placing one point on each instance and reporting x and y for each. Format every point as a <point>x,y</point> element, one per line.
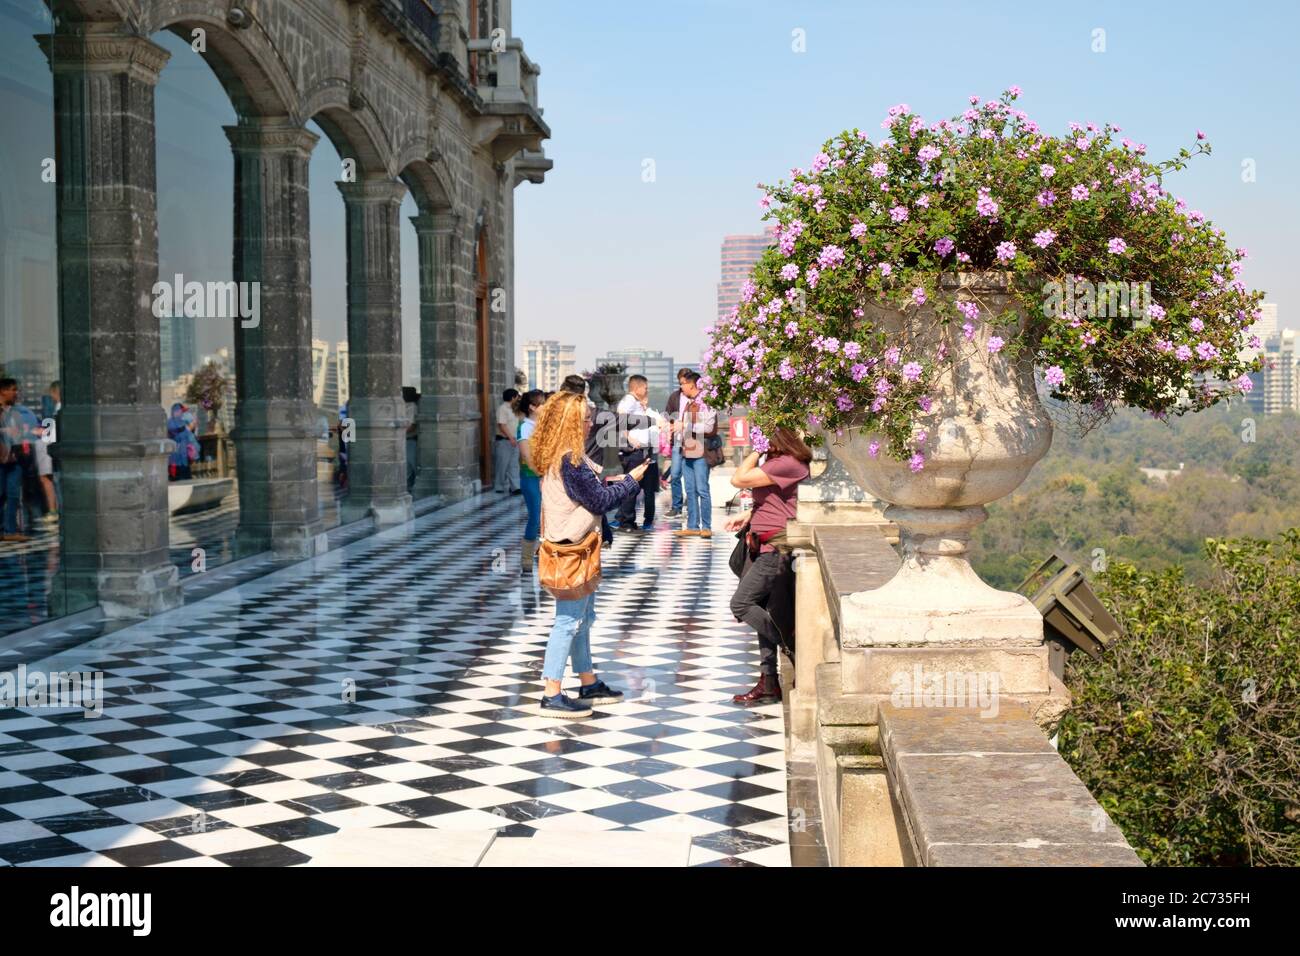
<point>388,684</point>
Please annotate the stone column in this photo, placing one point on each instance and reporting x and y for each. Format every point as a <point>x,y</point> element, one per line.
<point>276,427</point>
<point>448,407</point>
<point>112,432</point>
<point>377,456</point>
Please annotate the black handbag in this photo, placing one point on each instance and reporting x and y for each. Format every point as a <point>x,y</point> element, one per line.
<point>740,553</point>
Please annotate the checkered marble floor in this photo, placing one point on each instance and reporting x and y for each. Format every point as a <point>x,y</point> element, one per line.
<point>389,684</point>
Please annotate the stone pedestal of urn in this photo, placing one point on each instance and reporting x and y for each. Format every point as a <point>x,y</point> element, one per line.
<point>986,430</point>
<point>833,497</point>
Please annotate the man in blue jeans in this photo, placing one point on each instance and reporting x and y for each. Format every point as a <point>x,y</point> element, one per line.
<point>15,451</point>
<point>673,411</point>
<point>696,422</point>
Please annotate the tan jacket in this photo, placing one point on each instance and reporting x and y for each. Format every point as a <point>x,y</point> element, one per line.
<point>562,517</point>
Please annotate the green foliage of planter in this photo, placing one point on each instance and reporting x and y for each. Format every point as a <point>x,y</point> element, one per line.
<point>1188,729</point>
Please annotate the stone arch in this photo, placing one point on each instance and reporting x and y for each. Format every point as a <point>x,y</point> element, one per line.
<point>428,182</point>
<point>245,61</point>
<point>355,133</point>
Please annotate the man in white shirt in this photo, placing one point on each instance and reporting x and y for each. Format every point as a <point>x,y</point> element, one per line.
<point>693,422</point>
<point>505,447</point>
<point>639,426</point>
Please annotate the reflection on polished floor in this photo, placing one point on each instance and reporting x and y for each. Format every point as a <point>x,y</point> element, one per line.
<point>29,570</point>
<point>388,684</point>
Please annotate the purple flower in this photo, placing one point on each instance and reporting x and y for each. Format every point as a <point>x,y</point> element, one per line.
<point>886,268</point>
<point>918,295</point>
<point>1196,325</point>
<point>916,462</point>
<point>858,372</point>
<point>898,214</point>
<point>912,371</point>
<point>883,387</point>
<point>1245,384</point>
<point>968,309</point>
<point>1006,251</point>
<point>968,331</point>
<point>789,272</point>
<point>1205,351</point>
<point>1155,312</point>
<point>873,449</point>
<point>844,403</point>
<point>858,230</point>
<point>925,401</point>
<point>1043,238</point>
<point>944,246</point>
<point>786,370</point>
<point>1047,171</point>
<point>791,329</point>
<point>830,256</point>
<point>1116,245</point>
<point>985,205</point>
<point>1046,198</point>
<point>928,152</point>
<point>758,439</point>
<point>995,344</point>
<point>879,170</point>
<point>852,350</point>
<point>892,354</point>
<point>1183,353</point>
<point>1079,192</point>
<point>1055,376</point>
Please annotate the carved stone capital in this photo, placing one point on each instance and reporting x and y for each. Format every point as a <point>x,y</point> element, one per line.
<point>372,191</point>
<point>276,136</point>
<point>92,52</point>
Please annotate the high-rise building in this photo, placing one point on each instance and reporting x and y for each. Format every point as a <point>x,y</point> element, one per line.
<point>177,346</point>
<point>547,362</point>
<point>739,253</point>
<point>1277,386</point>
<point>329,376</point>
<point>658,369</point>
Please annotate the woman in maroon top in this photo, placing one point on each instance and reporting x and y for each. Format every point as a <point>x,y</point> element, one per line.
<point>775,484</point>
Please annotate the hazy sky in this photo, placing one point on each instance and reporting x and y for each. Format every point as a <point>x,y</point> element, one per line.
<point>714,93</point>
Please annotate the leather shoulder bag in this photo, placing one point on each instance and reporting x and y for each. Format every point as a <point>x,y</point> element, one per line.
<point>569,571</point>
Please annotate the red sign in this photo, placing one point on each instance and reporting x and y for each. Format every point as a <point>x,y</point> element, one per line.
<point>738,432</point>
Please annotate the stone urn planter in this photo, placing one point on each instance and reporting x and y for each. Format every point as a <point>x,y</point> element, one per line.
<point>986,431</point>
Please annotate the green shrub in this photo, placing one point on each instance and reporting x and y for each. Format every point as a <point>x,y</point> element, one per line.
<point>1188,729</point>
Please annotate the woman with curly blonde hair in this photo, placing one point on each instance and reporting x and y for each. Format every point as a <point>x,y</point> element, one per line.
<point>574,502</point>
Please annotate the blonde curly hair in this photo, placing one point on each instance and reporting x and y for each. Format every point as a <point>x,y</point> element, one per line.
<point>561,429</point>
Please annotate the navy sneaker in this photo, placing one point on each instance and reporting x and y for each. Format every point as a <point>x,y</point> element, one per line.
<point>599,693</point>
<point>565,707</point>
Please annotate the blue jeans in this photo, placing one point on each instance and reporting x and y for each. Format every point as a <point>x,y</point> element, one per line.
<point>699,502</point>
<point>11,486</point>
<point>531,486</point>
<point>571,635</point>
<point>675,479</point>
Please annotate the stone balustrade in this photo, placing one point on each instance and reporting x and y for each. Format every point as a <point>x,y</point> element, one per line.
<point>923,756</point>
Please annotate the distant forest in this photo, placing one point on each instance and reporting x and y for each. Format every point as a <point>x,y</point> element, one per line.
<point>1240,477</point>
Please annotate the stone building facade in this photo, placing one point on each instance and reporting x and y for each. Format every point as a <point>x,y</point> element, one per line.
<point>434,97</point>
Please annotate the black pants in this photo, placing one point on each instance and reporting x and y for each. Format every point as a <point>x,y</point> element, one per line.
<point>649,484</point>
<point>762,588</point>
